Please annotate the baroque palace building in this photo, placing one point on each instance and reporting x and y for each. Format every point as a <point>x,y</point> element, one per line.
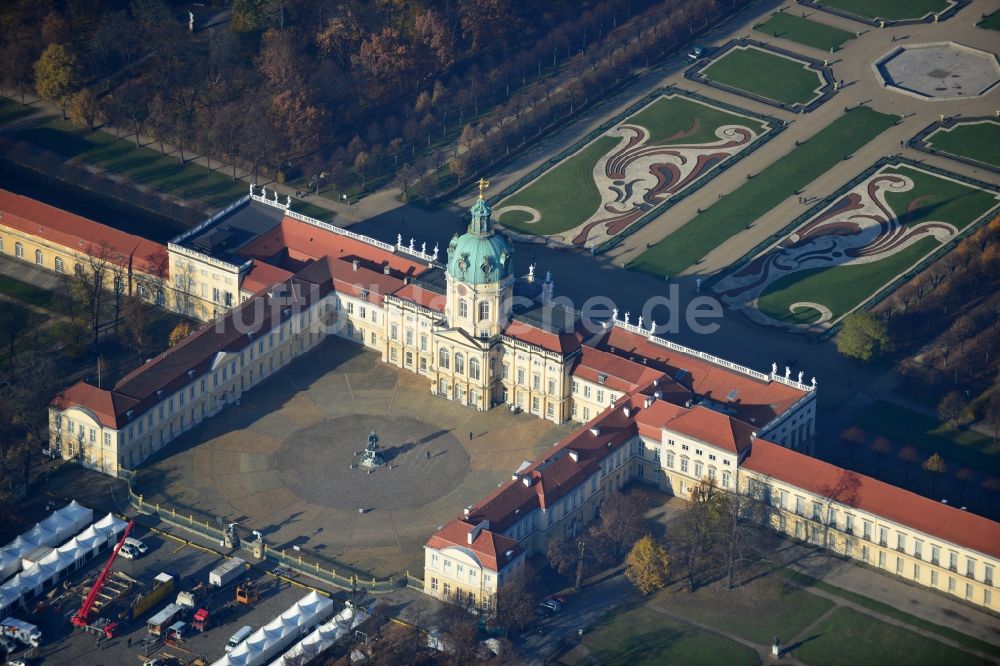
<point>271,285</point>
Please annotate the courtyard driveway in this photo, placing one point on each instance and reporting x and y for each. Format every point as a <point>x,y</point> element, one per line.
<point>281,461</point>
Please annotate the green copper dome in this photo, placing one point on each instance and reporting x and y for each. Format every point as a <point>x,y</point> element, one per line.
<point>480,255</point>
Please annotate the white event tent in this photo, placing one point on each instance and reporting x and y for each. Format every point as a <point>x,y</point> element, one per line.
<point>267,642</point>
<point>60,561</point>
<point>323,638</point>
<point>59,526</point>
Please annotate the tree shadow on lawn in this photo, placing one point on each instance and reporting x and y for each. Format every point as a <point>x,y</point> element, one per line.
<point>64,143</point>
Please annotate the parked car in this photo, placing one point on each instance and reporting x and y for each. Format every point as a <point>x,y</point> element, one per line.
<point>128,552</point>
<point>137,545</point>
<point>552,605</point>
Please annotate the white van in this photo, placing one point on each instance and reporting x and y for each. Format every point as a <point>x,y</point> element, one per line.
<point>238,638</point>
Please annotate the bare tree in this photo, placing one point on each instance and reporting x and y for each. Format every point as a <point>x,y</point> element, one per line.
<point>90,282</point>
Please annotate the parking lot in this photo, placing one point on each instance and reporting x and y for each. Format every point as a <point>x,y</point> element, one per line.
<point>190,564</point>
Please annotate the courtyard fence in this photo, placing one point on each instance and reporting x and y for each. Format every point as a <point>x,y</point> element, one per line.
<point>346,579</point>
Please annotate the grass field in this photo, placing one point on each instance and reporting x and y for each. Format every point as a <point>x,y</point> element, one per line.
<point>928,435</point>
<point>849,637</point>
<point>26,293</point>
<point>977,141</point>
<point>839,288</point>
<point>892,10</point>
<point>641,637</point>
<point>890,611</point>
<point>991,22</point>
<point>664,119</point>
<point>143,165</point>
<point>757,611</point>
<point>766,190</point>
<point>766,74</point>
<point>842,288</point>
<point>803,31</point>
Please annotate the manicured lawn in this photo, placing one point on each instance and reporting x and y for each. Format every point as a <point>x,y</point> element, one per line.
<point>811,33</point>
<point>677,120</point>
<point>565,196</point>
<point>892,10</point>
<point>849,637</point>
<point>27,293</point>
<point>766,74</point>
<point>669,120</point>
<point>145,166</point>
<point>641,637</point>
<point>756,612</point>
<point>935,198</point>
<point>976,141</point>
<point>891,611</point>
<point>839,288</point>
<point>991,22</point>
<point>906,427</point>
<point>779,181</point>
<point>11,111</point>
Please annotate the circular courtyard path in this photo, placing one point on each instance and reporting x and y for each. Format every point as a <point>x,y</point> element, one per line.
<point>281,461</point>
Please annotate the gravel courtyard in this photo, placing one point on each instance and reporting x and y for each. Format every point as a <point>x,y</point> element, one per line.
<point>281,461</point>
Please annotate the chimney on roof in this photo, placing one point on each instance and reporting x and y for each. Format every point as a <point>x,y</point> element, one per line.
<point>526,480</point>
<point>753,435</point>
<point>385,269</point>
<point>648,401</point>
<point>595,431</point>
<point>687,403</point>
<point>468,509</point>
<point>575,456</point>
<point>627,411</point>
<point>474,532</point>
<point>356,263</point>
<point>658,394</point>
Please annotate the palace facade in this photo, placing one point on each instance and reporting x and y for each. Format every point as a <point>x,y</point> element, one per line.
<point>272,284</point>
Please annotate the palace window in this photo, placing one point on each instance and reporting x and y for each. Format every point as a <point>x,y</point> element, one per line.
<point>423,343</point>
<point>409,337</point>
<point>434,584</point>
<point>393,332</point>
<point>600,395</point>
<point>552,387</point>
<point>520,376</point>
<point>60,267</point>
<point>484,310</point>
<point>697,469</point>
<point>443,359</point>
<point>463,308</point>
<point>586,391</point>
<point>459,363</point>
<point>576,387</point>
<point>18,250</point>
<point>725,479</point>
<point>473,368</point>
<point>536,382</point>
<point>684,464</point>
<point>670,459</point>
<point>39,259</point>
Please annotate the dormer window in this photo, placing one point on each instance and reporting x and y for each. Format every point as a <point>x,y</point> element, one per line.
<point>601,378</point>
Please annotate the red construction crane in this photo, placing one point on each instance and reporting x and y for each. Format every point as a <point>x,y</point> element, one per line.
<point>81,618</point>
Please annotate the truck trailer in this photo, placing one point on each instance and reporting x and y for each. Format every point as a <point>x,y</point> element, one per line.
<point>23,632</point>
<point>157,625</point>
<point>227,572</point>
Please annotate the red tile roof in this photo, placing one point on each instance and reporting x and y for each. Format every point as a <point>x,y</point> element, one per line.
<point>261,276</point>
<point>304,241</point>
<point>620,374</point>
<point>75,232</point>
<point>754,400</point>
<point>423,297</point>
<point>105,405</point>
<point>867,494</point>
<point>563,343</point>
<point>491,548</point>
